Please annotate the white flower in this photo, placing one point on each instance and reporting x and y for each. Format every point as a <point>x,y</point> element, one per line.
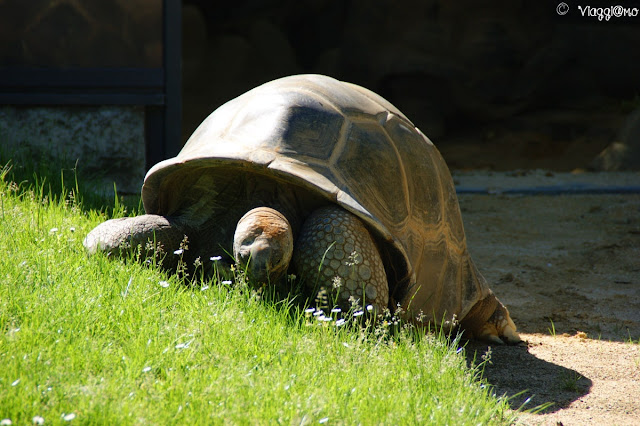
<point>164,284</point>
<point>323,420</point>
<point>336,310</point>
<point>69,417</point>
<point>309,310</point>
<point>4,422</point>
<point>178,252</point>
<point>206,287</point>
<point>183,345</point>
<point>369,308</point>
<point>337,282</point>
<point>53,230</point>
<point>215,258</point>
<point>15,383</point>
<point>358,313</point>
<point>340,322</point>
<point>72,229</point>
<point>146,369</point>
<point>226,282</point>
<point>38,420</point>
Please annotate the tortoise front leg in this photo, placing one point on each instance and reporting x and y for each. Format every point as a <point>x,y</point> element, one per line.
<point>335,251</point>
<point>121,236</point>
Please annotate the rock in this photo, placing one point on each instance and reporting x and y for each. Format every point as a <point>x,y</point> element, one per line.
<point>624,153</point>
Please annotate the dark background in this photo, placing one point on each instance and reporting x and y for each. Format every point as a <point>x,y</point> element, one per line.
<point>495,84</point>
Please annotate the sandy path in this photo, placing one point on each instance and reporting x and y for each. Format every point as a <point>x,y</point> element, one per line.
<point>569,265</point>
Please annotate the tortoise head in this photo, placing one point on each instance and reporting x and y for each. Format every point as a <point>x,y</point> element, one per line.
<point>263,244</point>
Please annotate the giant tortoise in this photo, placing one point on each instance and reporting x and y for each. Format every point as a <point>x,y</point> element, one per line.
<point>325,179</point>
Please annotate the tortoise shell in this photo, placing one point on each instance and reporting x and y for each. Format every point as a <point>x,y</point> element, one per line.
<point>353,148</point>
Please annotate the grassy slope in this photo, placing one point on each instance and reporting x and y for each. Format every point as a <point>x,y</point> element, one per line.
<point>103,341</point>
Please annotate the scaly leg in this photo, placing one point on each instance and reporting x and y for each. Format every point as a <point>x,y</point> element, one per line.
<point>335,251</point>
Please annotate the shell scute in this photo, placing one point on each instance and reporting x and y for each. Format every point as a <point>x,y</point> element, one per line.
<point>380,187</point>
<point>309,129</point>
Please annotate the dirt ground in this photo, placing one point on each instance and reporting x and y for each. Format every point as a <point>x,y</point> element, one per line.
<point>568,268</point>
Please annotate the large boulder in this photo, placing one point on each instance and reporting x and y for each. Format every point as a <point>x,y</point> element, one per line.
<point>624,152</point>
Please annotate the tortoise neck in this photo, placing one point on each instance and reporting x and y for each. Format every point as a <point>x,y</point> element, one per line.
<point>266,192</point>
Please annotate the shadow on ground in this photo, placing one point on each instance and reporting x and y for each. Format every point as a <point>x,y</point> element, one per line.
<point>514,372</point>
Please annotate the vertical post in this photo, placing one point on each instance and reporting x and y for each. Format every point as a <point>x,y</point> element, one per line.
<point>163,131</point>
<point>172,53</point>
<point>154,134</point>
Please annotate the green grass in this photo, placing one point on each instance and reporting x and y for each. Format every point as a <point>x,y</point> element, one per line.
<point>101,341</point>
<point>552,330</point>
<point>570,381</point>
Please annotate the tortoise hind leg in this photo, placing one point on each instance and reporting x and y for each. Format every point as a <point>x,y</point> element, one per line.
<point>335,251</point>
<point>489,320</point>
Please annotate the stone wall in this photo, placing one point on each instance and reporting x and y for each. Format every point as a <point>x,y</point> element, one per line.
<point>105,142</point>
